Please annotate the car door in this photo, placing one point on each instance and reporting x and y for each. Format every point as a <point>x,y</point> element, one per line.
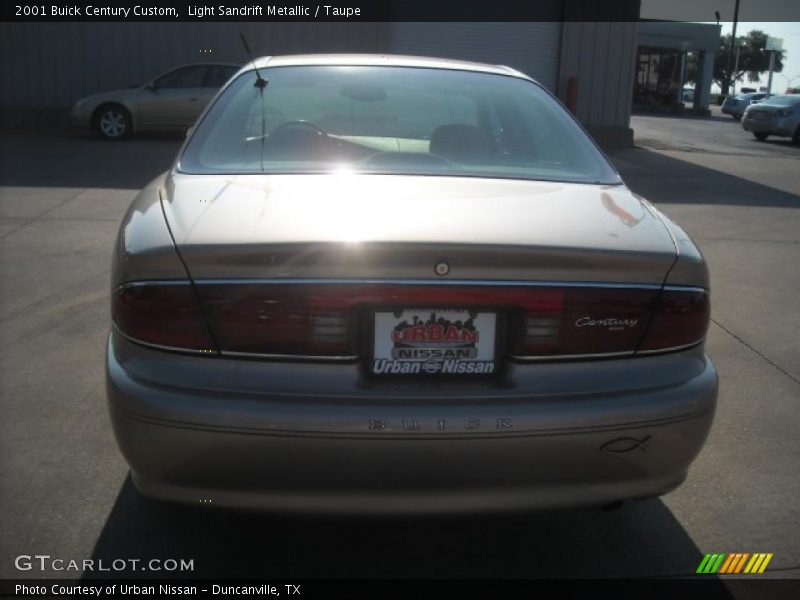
<point>174,99</point>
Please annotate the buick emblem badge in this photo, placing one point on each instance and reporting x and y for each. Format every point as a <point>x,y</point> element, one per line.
<point>442,268</point>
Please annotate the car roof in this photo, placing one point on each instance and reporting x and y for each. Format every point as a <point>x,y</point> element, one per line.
<point>198,64</point>
<point>782,100</point>
<point>382,60</point>
<point>208,64</point>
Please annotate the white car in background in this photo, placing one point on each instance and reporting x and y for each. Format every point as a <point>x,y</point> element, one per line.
<point>736,106</point>
<point>171,101</point>
<point>778,116</point>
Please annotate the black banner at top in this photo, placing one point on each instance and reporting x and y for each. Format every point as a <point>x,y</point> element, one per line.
<point>394,10</point>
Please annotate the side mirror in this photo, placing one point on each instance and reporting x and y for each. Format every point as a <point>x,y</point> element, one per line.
<point>151,87</point>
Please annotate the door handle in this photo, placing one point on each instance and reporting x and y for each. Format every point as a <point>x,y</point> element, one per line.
<point>192,99</point>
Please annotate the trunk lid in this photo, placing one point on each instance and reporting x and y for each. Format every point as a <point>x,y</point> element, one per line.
<point>389,226</point>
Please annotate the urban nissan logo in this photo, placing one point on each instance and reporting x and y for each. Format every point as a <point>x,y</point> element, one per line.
<point>610,322</point>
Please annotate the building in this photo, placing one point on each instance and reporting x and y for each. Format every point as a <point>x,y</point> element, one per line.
<point>664,54</point>
<point>588,64</point>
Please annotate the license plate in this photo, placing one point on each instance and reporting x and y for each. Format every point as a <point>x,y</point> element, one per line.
<point>433,341</point>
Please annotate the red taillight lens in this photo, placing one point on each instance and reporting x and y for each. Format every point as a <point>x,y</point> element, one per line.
<point>279,320</point>
<point>596,321</point>
<point>680,318</point>
<point>322,319</point>
<point>165,315</point>
<point>591,321</point>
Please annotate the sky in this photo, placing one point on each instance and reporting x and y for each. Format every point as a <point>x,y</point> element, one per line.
<point>790,33</point>
<point>781,20</point>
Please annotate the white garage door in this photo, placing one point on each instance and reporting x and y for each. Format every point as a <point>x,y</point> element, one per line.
<point>532,48</point>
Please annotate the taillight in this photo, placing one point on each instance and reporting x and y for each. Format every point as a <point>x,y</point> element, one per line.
<point>324,319</point>
<point>161,314</point>
<point>680,318</point>
<point>598,321</point>
<point>592,321</point>
<point>279,320</point>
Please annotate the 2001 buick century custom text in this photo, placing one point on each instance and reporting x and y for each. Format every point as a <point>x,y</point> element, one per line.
<point>398,284</point>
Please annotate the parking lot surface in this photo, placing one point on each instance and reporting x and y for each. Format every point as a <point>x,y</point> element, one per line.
<point>718,134</point>
<point>65,489</point>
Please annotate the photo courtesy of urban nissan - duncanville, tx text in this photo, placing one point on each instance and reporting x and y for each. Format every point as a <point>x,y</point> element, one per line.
<point>396,284</point>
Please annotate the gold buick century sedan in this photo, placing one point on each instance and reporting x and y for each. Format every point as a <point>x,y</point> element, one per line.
<point>385,284</point>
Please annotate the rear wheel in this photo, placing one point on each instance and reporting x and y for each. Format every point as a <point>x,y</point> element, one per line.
<point>737,117</point>
<point>760,135</point>
<point>796,136</point>
<point>113,122</point>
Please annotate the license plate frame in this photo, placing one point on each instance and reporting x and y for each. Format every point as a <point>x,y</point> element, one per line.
<point>466,342</point>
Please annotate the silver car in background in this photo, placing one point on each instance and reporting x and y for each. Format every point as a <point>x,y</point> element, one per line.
<point>735,106</point>
<point>171,101</point>
<point>778,116</point>
<point>379,284</point>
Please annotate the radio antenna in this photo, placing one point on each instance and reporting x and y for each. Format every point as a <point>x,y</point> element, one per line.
<point>260,83</point>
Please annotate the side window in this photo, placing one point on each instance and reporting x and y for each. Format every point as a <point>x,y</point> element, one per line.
<point>218,75</point>
<point>185,77</point>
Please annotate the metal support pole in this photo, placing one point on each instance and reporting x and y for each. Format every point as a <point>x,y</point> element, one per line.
<point>733,41</point>
<point>736,68</point>
<point>771,69</point>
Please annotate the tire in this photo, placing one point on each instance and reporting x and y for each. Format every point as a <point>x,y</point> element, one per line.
<point>760,135</point>
<point>796,136</point>
<point>113,122</point>
<point>737,117</point>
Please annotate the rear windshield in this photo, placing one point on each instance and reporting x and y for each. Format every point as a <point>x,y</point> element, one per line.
<point>396,120</point>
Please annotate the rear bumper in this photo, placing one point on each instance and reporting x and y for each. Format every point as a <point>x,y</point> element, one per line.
<point>401,449</point>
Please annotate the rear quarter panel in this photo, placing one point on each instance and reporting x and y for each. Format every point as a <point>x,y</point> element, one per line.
<point>144,248</point>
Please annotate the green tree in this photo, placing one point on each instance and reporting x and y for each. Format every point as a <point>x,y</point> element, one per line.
<point>753,60</point>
